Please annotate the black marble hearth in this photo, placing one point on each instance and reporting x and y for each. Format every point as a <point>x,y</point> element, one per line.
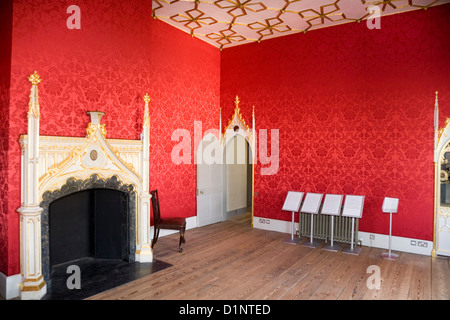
<point>97,275</point>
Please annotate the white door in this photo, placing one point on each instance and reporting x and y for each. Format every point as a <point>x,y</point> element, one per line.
<point>209,181</point>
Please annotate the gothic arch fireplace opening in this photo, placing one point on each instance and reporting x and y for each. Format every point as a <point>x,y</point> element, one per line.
<point>92,218</point>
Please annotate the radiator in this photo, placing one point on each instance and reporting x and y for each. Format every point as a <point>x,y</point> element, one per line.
<point>322,223</point>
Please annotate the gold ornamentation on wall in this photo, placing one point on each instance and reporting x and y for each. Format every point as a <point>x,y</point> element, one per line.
<point>33,105</point>
<point>90,130</point>
<point>237,120</point>
<point>58,166</point>
<point>237,116</point>
<point>146,120</point>
<point>441,130</point>
<point>34,78</point>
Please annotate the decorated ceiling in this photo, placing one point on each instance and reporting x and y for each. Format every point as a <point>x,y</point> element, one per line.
<point>226,23</point>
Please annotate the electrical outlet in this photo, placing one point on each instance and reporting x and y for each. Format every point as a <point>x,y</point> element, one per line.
<point>262,221</point>
<point>413,242</point>
<point>372,237</point>
<point>422,244</point>
<point>267,221</point>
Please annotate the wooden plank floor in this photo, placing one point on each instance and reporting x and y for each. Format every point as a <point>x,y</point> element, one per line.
<point>232,261</point>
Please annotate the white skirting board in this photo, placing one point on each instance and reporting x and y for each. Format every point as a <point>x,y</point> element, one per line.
<point>9,286</point>
<point>402,244</point>
<point>368,239</point>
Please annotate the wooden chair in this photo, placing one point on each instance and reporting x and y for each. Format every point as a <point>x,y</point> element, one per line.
<point>166,223</point>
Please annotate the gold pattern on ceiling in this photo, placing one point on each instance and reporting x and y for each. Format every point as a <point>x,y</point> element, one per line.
<point>226,23</point>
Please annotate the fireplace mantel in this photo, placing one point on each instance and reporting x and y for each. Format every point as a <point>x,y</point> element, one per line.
<point>48,162</point>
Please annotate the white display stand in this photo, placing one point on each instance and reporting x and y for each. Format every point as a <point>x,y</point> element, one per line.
<point>292,204</point>
<point>332,205</point>
<point>353,208</point>
<point>390,205</point>
<point>311,205</point>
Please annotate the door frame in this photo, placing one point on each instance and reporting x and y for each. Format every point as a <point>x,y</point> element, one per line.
<point>250,157</point>
<point>441,146</point>
<point>236,124</point>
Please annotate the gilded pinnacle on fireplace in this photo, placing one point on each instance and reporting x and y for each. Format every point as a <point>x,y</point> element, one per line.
<point>34,78</point>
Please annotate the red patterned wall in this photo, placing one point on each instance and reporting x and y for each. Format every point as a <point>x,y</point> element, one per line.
<point>185,75</point>
<point>5,67</point>
<point>354,106</point>
<point>355,112</point>
<point>118,55</point>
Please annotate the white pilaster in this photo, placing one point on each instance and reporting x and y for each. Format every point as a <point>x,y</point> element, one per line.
<point>253,136</point>
<point>220,126</point>
<point>436,126</point>
<point>144,251</point>
<point>33,285</point>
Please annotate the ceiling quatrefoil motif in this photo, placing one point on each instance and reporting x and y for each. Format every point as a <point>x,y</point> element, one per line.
<point>226,23</point>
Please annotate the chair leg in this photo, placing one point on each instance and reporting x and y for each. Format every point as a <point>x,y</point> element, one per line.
<point>180,249</point>
<point>182,240</point>
<point>155,237</point>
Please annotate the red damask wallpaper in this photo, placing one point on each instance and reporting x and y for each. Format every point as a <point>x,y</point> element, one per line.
<point>118,55</point>
<point>354,106</point>
<point>354,109</point>
<point>5,67</point>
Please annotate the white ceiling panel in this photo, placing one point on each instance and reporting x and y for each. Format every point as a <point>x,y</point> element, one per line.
<point>226,23</point>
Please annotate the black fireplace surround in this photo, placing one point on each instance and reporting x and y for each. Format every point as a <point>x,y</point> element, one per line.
<point>81,220</point>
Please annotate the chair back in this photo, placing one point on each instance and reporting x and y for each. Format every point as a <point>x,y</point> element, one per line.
<point>155,207</point>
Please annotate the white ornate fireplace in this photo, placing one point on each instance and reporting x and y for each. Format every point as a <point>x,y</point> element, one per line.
<point>56,166</point>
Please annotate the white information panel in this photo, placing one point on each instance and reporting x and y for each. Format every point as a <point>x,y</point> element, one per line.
<point>292,204</point>
<point>332,204</point>
<point>353,206</point>
<point>312,203</point>
<point>390,205</point>
<point>293,201</point>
